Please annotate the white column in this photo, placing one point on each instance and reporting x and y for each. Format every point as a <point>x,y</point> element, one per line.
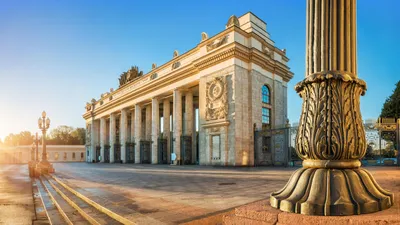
<point>166,127</point>
<point>112,136</point>
<point>177,117</point>
<point>94,139</point>
<point>194,139</point>
<point>123,131</point>
<point>155,130</point>
<point>138,131</point>
<point>103,136</point>
<point>189,116</point>
<point>148,123</point>
<point>132,138</point>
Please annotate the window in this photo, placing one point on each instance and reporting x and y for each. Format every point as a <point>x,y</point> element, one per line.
<point>65,156</point>
<point>265,95</point>
<point>73,155</point>
<point>56,156</point>
<point>266,115</point>
<point>81,155</point>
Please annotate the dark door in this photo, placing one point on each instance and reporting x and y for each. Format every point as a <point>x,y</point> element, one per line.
<point>107,154</point>
<point>97,153</point>
<point>117,153</point>
<point>162,151</point>
<point>130,153</point>
<point>145,152</point>
<point>186,150</point>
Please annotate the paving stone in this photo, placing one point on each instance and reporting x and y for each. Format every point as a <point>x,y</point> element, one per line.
<point>16,203</point>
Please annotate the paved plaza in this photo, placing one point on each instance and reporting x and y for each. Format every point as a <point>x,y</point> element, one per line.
<point>160,193</point>
<point>176,194</point>
<point>16,204</point>
<point>173,194</point>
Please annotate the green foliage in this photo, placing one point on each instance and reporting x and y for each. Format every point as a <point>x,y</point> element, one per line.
<point>66,135</point>
<point>391,107</point>
<point>23,138</point>
<point>62,135</point>
<point>293,154</point>
<point>388,153</point>
<point>370,152</point>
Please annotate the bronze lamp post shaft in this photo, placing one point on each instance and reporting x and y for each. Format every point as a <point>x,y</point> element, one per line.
<point>331,137</point>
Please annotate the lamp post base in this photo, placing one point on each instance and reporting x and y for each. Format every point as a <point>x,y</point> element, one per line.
<point>44,167</point>
<point>332,192</point>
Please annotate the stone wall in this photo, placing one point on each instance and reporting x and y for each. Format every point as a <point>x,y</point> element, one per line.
<point>22,154</point>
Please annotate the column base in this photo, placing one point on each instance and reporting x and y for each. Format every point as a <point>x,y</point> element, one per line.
<point>332,192</point>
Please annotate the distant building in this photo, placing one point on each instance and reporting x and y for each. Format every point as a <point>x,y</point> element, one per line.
<point>55,153</point>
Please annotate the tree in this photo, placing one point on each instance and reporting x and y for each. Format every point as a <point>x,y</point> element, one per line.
<point>66,135</point>
<point>391,107</point>
<point>60,135</point>
<point>25,138</point>
<point>79,135</point>
<point>11,140</point>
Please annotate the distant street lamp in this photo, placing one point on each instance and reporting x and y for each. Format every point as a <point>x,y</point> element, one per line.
<point>44,166</point>
<point>33,151</point>
<point>37,147</point>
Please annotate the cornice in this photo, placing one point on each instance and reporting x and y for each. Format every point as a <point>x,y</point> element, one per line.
<point>232,50</point>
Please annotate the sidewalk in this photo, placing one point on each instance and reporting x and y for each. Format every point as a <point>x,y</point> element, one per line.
<point>16,204</point>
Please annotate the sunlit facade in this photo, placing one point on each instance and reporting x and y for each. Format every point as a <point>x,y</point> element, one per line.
<point>202,107</point>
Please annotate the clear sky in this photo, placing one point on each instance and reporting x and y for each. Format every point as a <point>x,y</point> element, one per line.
<point>57,55</point>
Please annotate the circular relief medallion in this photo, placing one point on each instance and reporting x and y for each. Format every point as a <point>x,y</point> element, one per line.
<point>215,90</point>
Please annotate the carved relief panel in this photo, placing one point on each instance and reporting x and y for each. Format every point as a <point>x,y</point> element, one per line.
<point>216,99</point>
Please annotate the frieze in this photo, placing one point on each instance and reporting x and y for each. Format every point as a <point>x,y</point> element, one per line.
<point>268,52</point>
<point>217,43</point>
<point>154,76</point>
<point>176,65</point>
<point>216,99</point>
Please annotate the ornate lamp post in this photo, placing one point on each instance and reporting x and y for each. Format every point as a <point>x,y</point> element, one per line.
<point>44,124</point>
<point>33,147</point>
<point>37,147</point>
<point>331,137</point>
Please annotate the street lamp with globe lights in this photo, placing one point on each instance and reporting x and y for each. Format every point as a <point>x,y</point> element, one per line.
<point>44,124</point>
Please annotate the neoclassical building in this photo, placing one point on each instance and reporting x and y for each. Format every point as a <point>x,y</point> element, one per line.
<point>200,107</point>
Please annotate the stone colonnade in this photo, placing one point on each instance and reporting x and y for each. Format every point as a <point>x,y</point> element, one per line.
<point>135,132</point>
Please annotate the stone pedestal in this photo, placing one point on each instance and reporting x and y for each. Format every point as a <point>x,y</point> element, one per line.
<point>44,167</point>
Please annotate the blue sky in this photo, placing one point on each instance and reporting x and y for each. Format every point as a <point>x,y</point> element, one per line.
<point>57,55</point>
